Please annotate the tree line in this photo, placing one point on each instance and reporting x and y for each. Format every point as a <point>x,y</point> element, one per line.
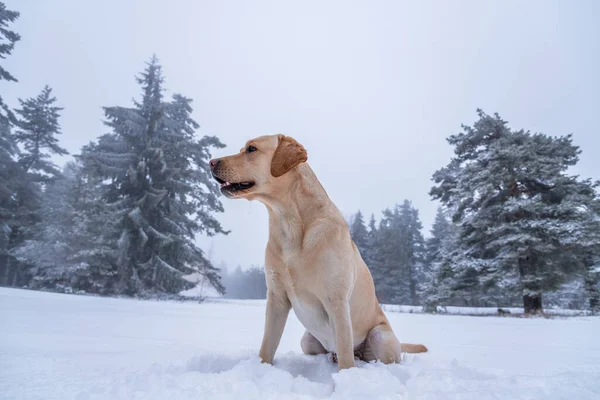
<point>513,227</point>
<point>246,283</point>
<point>121,218</point>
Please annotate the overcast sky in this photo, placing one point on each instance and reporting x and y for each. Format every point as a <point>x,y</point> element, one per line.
<point>371,88</point>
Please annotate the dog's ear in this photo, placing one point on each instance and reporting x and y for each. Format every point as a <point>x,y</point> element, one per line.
<point>288,154</point>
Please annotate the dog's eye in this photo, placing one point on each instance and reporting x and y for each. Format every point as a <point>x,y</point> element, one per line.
<point>250,149</point>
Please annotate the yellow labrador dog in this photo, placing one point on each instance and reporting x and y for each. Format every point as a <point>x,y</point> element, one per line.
<point>311,262</point>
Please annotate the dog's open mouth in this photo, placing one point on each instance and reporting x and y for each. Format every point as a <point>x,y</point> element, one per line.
<point>233,187</point>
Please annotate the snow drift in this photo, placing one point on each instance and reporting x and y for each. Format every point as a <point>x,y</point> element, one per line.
<point>55,346</point>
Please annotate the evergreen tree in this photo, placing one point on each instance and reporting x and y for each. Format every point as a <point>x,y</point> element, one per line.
<point>592,287</point>
<point>374,261</point>
<point>589,247</point>
<point>436,247</point>
<point>47,247</point>
<point>359,234</point>
<point>439,232</point>
<point>372,230</point>
<point>8,39</point>
<point>389,287</point>
<point>37,127</point>
<point>519,214</point>
<point>9,171</point>
<point>571,295</point>
<point>69,249</point>
<point>413,246</point>
<point>10,179</point>
<point>400,255</point>
<point>159,187</point>
<point>442,287</point>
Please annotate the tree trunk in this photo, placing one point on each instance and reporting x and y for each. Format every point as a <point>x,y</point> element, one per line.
<point>413,292</point>
<point>532,292</point>
<point>532,303</point>
<point>8,267</point>
<point>16,274</point>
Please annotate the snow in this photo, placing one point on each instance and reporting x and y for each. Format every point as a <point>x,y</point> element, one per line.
<point>202,289</point>
<point>55,346</point>
<point>453,310</point>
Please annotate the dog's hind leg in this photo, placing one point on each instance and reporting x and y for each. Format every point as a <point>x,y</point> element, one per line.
<point>311,345</point>
<point>381,344</point>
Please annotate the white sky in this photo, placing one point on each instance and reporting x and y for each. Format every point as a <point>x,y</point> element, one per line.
<point>371,88</point>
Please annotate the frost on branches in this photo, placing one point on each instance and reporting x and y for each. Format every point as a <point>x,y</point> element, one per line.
<point>37,128</point>
<point>394,252</point>
<point>157,188</point>
<point>524,224</point>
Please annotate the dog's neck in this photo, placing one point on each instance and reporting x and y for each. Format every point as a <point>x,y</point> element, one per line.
<point>300,200</point>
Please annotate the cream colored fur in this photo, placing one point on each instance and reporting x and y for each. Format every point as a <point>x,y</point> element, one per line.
<point>311,262</point>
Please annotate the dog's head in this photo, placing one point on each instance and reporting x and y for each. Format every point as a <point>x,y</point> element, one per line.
<point>258,167</point>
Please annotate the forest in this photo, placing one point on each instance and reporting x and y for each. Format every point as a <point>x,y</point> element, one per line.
<point>514,226</point>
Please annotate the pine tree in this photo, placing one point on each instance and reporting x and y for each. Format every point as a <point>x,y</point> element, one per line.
<point>9,181</point>
<point>374,261</point>
<point>159,187</point>
<point>69,250</point>
<point>8,39</point>
<point>443,286</point>
<point>390,287</point>
<point>359,234</point>
<point>37,127</point>
<point>592,287</point>
<point>436,247</point>
<point>583,245</point>
<point>372,229</point>
<point>9,170</point>
<point>571,295</point>
<point>589,247</point>
<point>413,246</point>
<point>399,256</point>
<point>47,247</point>
<point>439,232</point>
<point>519,214</point>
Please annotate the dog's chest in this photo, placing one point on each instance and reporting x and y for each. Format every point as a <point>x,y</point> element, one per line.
<point>308,309</point>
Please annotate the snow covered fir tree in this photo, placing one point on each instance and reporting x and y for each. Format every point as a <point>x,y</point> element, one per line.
<point>9,169</point>
<point>394,252</point>
<point>440,241</point>
<point>525,226</point>
<point>158,191</point>
<point>513,228</point>
<point>8,38</point>
<point>70,249</point>
<point>122,218</point>
<point>36,132</point>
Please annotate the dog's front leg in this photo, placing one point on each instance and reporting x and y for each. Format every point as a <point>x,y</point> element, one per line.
<point>278,308</point>
<point>344,340</point>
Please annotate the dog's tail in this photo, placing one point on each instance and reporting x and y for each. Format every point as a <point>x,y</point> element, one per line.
<point>413,348</point>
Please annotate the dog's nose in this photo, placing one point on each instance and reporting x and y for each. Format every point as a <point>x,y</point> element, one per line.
<point>213,163</point>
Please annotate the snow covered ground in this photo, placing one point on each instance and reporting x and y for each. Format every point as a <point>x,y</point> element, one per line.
<point>55,346</point>
<point>481,311</point>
